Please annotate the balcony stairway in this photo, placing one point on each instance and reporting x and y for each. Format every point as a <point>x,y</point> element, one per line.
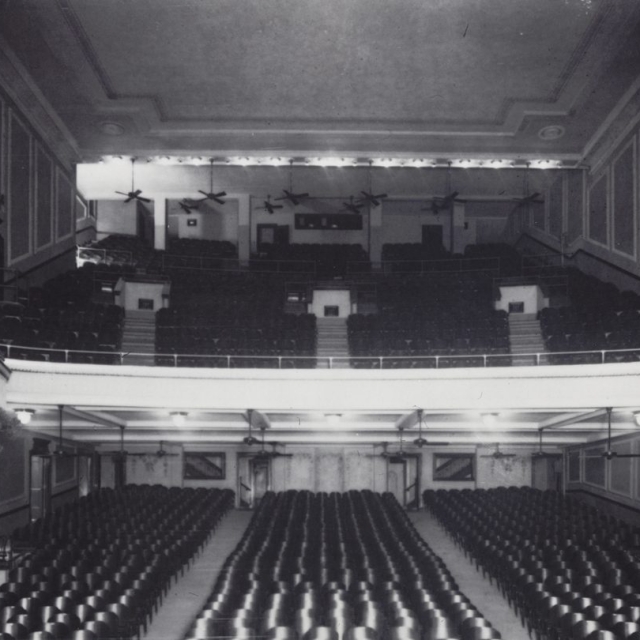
<point>525,338</point>
<point>332,341</point>
<point>139,338</point>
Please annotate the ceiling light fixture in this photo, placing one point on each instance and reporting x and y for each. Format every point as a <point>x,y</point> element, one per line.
<point>178,418</point>
<point>490,419</point>
<point>24,415</point>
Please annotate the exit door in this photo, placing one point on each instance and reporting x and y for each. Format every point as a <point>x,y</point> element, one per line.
<point>432,238</point>
<point>40,487</point>
<point>254,480</point>
<point>404,479</point>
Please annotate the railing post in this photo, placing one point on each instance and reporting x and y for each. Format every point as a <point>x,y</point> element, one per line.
<point>279,362</point>
<point>330,362</point>
<point>121,358</point>
<point>437,362</point>
<point>484,361</point>
<point>602,353</point>
<point>537,359</point>
<point>66,355</point>
<point>175,359</point>
<point>228,362</point>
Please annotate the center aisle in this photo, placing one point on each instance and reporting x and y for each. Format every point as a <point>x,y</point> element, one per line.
<point>478,589</point>
<point>189,594</point>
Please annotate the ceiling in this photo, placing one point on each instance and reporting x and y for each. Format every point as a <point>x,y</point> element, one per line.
<point>302,77</point>
<point>145,428</point>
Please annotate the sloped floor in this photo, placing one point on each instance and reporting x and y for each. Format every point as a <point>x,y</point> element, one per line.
<point>485,596</point>
<point>189,593</point>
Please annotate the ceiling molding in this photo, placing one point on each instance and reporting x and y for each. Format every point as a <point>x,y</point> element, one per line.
<point>22,90</point>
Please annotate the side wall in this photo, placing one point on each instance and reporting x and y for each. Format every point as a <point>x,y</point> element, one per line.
<point>616,481</point>
<point>42,208</point>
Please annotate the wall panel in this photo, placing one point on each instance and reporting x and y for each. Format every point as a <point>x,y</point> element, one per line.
<point>19,191</point>
<point>594,467</point>
<point>555,208</point>
<point>358,470</point>
<point>620,470</point>
<point>329,470</point>
<point>65,206</point>
<point>624,201</point>
<point>44,198</point>
<point>575,204</point>
<point>598,230</point>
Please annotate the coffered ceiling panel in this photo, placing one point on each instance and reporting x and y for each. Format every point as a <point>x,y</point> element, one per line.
<point>355,76</point>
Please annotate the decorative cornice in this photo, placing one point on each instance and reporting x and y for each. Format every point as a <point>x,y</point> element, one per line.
<point>22,90</point>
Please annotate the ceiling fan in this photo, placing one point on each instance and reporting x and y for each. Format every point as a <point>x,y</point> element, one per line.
<point>444,203</point>
<point>534,198</point>
<point>188,205</point>
<point>210,195</point>
<point>133,194</point>
<point>269,206</point>
<point>274,453</point>
<point>393,456</point>
<point>420,441</point>
<point>609,453</point>
<point>289,194</point>
<point>351,206</point>
<point>160,453</point>
<point>59,451</point>
<point>370,198</point>
<point>528,198</point>
<point>499,455</point>
<point>543,454</point>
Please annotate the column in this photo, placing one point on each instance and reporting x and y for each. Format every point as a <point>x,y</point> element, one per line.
<point>375,237</point>
<point>160,222</point>
<point>244,229</point>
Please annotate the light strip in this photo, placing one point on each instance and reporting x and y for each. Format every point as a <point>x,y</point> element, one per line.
<point>347,161</point>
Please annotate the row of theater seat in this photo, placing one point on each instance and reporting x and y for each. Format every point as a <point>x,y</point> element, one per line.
<point>566,569</point>
<point>447,315</point>
<point>233,315</point>
<point>599,317</point>
<point>99,568</point>
<point>331,260</point>
<point>336,567</point>
<point>47,330</point>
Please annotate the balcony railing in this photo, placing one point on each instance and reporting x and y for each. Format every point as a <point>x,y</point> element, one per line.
<point>19,352</point>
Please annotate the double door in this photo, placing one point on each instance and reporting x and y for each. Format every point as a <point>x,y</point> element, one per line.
<point>254,479</point>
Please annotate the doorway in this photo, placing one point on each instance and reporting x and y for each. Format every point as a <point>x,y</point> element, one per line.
<point>547,473</point>
<point>270,236</point>
<point>404,479</point>
<point>254,480</point>
<point>432,238</point>
<point>40,487</point>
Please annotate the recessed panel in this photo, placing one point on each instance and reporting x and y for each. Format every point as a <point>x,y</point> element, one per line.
<point>598,210</point>
<point>19,203</point>
<point>624,206</point>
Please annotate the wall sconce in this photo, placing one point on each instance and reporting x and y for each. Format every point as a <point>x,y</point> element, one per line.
<point>24,415</point>
<point>178,418</point>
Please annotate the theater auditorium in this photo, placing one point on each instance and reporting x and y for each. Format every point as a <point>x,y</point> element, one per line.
<point>319,320</point>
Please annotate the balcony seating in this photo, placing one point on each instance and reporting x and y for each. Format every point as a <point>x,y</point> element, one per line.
<point>221,315</point>
<point>59,317</point>
<point>447,315</point>
<point>566,569</point>
<point>599,318</point>
<point>103,564</point>
<point>331,260</point>
<point>332,566</point>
